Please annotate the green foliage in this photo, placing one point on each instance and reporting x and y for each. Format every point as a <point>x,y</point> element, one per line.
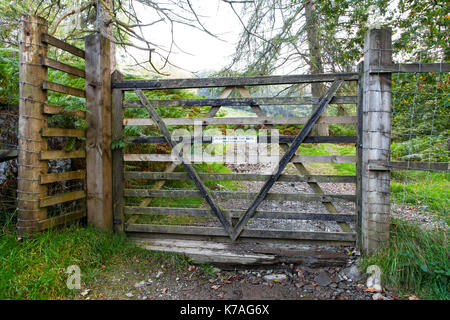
<point>427,191</point>
<point>9,76</point>
<point>414,261</point>
<point>424,148</point>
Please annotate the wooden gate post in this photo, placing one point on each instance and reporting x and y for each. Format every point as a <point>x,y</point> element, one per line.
<point>98,132</point>
<point>117,154</point>
<point>31,121</point>
<point>376,140</point>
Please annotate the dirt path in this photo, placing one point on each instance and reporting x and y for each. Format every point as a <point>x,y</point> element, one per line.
<point>143,280</point>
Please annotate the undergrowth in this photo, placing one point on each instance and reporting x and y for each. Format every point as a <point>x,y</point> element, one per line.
<point>415,261</point>
<point>35,268</point>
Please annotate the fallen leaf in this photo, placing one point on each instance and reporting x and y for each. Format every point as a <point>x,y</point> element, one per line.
<point>103,266</point>
<point>191,268</point>
<point>226,281</point>
<point>371,290</point>
<point>215,287</point>
<point>413,297</point>
<point>164,290</point>
<point>212,280</point>
<point>220,295</point>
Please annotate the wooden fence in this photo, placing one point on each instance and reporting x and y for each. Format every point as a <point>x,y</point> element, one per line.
<point>104,172</point>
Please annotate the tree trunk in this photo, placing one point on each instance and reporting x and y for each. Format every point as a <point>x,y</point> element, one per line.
<point>104,25</point>
<point>315,56</point>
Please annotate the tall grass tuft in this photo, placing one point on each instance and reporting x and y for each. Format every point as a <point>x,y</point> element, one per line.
<point>414,261</point>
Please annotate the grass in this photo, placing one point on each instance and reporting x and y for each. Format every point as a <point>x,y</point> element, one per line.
<point>425,190</point>
<point>415,261</point>
<point>35,268</point>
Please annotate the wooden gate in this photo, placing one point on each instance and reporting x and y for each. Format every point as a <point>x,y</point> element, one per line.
<point>153,199</point>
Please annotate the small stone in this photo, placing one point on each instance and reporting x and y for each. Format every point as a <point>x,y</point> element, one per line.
<point>129,294</point>
<point>139,284</point>
<point>216,270</point>
<point>159,274</point>
<point>275,277</point>
<point>352,273</point>
<point>378,296</point>
<point>322,279</point>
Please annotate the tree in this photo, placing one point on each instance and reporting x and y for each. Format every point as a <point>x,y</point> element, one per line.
<point>117,20</point>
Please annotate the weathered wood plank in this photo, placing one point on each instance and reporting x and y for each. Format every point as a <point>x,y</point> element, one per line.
<point>99,181</point>
<point>239,102</point>
<point>53,86</point>
<point>48,62</point>
<point>375,165</point>
<point>62,176</point>
<point>410,68</point>
<point>239,120</point>
<point>231,81</point>
<point>31,121</point>
<point>61,198</point>
<point>222,159</point>
<point>117,154</point>
<point>61,132</point>
<point>260,214</point>
<point>260,139</point>
<point>238,195</point>
<point>6,155</point>
<point>62,219</point>
<point>46,38</point>
<point>48,109</point>
<point>61,154</point>
<point>239,177</point>
<point>247,233</point>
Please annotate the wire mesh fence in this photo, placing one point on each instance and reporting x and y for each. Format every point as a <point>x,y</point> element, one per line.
<point>420,133</point>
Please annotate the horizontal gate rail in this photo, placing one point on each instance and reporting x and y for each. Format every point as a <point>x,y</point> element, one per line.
<point>296,159</point>
<point>194,212</point>
<point>410,68</point>
<point>46,38</point>
<point>62,176</point>
<point>49,109</point>
<point>239,120</point>
<point>230,102</point>
<point>260,139</point>
<point>246,233</point>
<point>239,177</point>
<point>231,81</point>
<point>48,62</point>
<point>239,195</point>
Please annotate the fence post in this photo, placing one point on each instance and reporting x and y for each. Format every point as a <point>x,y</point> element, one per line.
<point>376,140</point>
<point>31,121</point>
<point>98,132</point>
<point>117,154</point>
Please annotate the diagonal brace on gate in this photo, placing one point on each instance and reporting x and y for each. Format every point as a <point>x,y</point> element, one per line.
<point>189,169</point>
<point>285,159</point>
